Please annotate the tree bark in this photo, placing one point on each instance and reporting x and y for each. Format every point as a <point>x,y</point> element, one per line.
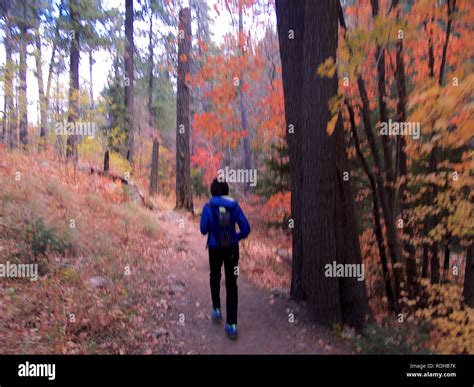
<point>387,149</point>
<point>23,104</point>
<point>74,57</point>
<point>290,23</point>
<point>429,195</point>
<point>91,84</point>
<point>154,167</point>
<point>156,145</point>
<point>451,6</point>
<point>184,197</point>
<point>376,211</point>
<point>447,253</point>
<point>10,124</point>
<point>243,102</point>
<point>435,274</point>
<point>353,294</point>
<point>106,162</point>
<point>319,160</point>
<point>408,248</point>
<point>51,60</point>
<point>129,78</point>
<point>434,263</point>
<point>468,292</point>
<point>392,238</point>
<point>42,97</point>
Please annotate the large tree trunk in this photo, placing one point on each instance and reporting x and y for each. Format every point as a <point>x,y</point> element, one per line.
<point>74,57</point>
<point>184,197</point>
<point>469,278</point>
<point>23,104</point>
<point>129,80</point>
<point>327,221</point>
<point>319,160</point>
<point>290,22</point>
<point>42,98</point>
<point>243,102</point>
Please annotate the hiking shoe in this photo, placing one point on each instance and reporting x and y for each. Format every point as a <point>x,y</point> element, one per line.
<point>231,331</point>
<point>216,314</point>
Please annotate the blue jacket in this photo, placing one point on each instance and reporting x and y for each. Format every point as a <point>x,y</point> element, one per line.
<point>210,225</point>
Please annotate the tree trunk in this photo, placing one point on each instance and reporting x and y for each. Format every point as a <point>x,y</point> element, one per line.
<point>4,134</point>
<point>129,79</point>
<point>10,124</point>
<point>408,248</point>
<point>435,275</point>
<point>23,104</point>
<point>243,102</point>
<point>353,294</point>
<point>451,6</point>
<point>387,150</point>
<point>426,261</point>
<point>156,144</point>
<point>429,195</point>
<point>91,84</point>
<point>74,57</point>
<point>42,98</point>
<point>51,60</point>
<point>290,22</point>
<point>106,162</point>
<point>447,253</point>
<point>319,160</point>
<point>184,197</point>
<point>376,211</point>
<point>469,278</point>
<point>154,167</point>
<point>392,238</point>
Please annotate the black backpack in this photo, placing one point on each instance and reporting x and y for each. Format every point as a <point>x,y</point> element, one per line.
<point>223,237</point>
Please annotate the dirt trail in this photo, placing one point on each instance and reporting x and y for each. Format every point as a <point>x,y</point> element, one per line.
<point>264,326</point>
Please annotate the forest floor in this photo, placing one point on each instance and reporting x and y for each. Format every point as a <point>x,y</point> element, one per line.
<point>127,279</point>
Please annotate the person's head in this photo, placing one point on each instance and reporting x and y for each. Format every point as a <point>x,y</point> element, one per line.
<point>219,188</point>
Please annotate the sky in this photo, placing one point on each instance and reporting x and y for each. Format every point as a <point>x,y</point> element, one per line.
<point>103,62</point>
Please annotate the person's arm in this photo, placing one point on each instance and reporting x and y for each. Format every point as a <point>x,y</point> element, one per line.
<point>204,225</point>
<point>243,223</point>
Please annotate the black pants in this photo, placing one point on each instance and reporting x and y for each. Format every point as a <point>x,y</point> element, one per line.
<point>230,258</point>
